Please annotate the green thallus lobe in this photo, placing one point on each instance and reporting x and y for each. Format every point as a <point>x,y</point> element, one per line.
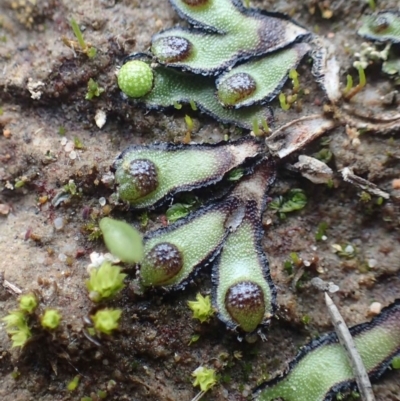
<point>321,369</point>
<point>172,87</point>
<point>174,254</point>
<point>224,33</point>
<point>148,175</point>
<point>211,52</point>
<point>259,80</point>
<point>244,292</point>
<point>382,26</point>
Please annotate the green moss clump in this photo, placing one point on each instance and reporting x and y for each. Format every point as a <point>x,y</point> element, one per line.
<point>106,320</point>
<point>51,319</point>
<point>105,282</point>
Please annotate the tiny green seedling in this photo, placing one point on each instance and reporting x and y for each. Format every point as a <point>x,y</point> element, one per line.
<point>236,174</point>
<point>106,320</point>
<point>105,282</point>
<point>349,84</point>
<point>70,187</point>
<point>192,105</point>
<point>202,308</point>
<point>265,127</point>
<point>78,144</point>
<point>189,123</point>
<point>62,130</point>
<point>349,91</point>
<point>282,101</point>
<point>51,319</point>
<point>321,231</point>
<point>324,155</point>
<point>181,209</point>
<point>89,50</point>
<point>73,384</point>
<point>194,338</point>
<point>178,211</point>
<point>396,362</point>
<point>94,90</point>
<point>204,378</point>
<point>294,76</point>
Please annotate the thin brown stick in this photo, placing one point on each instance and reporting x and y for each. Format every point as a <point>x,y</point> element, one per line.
<point>356,363</point>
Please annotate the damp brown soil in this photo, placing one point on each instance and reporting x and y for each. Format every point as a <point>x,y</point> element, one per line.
<point>49,139</point>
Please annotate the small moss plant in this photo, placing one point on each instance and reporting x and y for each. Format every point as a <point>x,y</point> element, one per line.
<point>181,209</point>
<point>135,78</point>
<point>51,319</point>
<point>105,282</point>
<point>296,199</point>
<point>17,327</point>
<point>204,378</point>
<point>28,303</point>
<point>202,308</point>
<point>106,320</point>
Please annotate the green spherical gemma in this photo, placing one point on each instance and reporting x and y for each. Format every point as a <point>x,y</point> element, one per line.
<point>135,78</point>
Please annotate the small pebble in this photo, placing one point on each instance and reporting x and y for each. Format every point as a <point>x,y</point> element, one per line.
<point>246,392</point>
<point>102,201</point>
<point>100,118</point>
<point>332,288</point>
<point>58,223</point>
<point>7,133</point>
<point>73,155</point>
<point>70,146</point>
<point>349,249</point>
<point>375,308</point>
<point>4,209</point>
<point>396,183</point>
<point>372,263</point>
<point>62,257</point>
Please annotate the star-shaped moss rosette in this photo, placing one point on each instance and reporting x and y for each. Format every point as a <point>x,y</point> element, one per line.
<point>224,34</point>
